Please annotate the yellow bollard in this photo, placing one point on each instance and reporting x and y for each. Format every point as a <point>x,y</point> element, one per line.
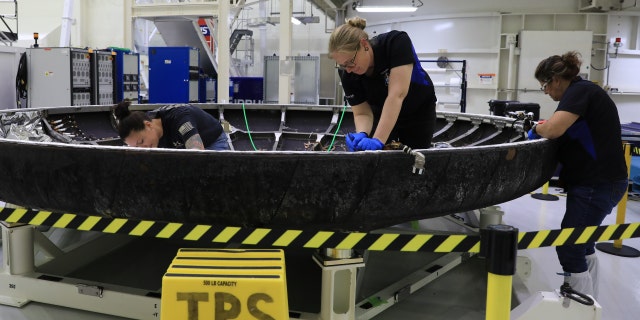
<point>617,248</point>
<point>622,205</point>
<point>498,296</point>
<point>499,245</point>
<point>545,188</point>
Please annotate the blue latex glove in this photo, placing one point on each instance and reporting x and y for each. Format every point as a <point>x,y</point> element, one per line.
<point>370,144</point>
<point>352,139</point>
<point>532,135</point>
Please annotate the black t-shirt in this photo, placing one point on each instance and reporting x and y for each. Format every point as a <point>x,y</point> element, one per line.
<point>182,121</point>
<point>391,49</point>
<point>591,149</point>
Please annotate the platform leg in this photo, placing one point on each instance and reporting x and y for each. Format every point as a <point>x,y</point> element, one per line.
<point>17,248</point>
<point>338,293</point>
<point>17,260</point>
<point>490,215</point>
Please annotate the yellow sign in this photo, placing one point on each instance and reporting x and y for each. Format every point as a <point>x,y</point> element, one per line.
<point>225,284</point>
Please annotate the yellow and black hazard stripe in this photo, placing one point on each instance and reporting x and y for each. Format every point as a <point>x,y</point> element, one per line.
<point>264,237</point>
<point>560,237</point>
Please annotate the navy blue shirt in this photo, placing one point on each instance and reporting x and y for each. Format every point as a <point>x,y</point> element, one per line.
<point>182,121</point>
<point>591,149</point>
<point>390,50</point>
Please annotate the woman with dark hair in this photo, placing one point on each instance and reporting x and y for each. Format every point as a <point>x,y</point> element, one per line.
<point>391,96</point>
<point>180,126</point>
<point>594,172</point>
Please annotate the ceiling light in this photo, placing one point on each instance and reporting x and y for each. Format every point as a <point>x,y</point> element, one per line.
<point>361,7</point>
<point>295,21</point>
<point>386,8</point>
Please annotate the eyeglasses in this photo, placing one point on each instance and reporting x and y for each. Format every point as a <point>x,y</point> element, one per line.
<point>544,85</point>
<point>351,63</point>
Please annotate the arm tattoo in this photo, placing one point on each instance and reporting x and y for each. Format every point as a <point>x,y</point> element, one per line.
<point>195,142</point>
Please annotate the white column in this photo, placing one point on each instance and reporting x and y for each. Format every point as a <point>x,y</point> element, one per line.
<point>284,84</point>
<point>127,36</point>
<point>223,51</point>
<point>65,28</point>
<point>262,52</point>
<point>511,80</point>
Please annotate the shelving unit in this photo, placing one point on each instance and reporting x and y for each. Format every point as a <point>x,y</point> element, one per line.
<point>449,81</point>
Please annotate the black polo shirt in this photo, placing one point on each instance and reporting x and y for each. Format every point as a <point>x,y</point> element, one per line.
<point>391,49</point>
<point>182,121</point>
<point>591,149</point>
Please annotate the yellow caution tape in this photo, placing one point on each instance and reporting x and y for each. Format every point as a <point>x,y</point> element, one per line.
<point>282,238</point>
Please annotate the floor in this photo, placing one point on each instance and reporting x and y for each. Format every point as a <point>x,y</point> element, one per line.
<point>619,294</point>
<point>459,294</point>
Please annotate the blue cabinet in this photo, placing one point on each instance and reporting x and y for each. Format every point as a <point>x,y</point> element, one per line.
<point>173,74</point>
<point>127,76</point>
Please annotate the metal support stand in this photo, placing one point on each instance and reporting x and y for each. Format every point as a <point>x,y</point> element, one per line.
<point>402,289</point>
<point>477,219</point>
<point>490,215</point>
<point>338,295</point>
<point>24,283</point>
<point>394,293</point>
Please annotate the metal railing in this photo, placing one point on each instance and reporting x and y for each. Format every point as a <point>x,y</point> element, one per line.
<point>7,34</point>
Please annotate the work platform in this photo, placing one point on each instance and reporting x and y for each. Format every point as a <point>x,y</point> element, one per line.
<point>457,294</point>
<point>121,275</point>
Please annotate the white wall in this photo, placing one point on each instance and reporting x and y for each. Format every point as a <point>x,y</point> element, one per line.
<point>103,24</point>
<point>463,43</point>
<point>471,37</point>
<point>95,23</point>
<point>100,23</point>
<point>628,107</point>
<point>43,17</point>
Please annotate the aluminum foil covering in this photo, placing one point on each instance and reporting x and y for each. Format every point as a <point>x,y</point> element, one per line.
<point>23,126</point>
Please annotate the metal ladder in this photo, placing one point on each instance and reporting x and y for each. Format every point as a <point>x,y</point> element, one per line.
<point>7,34</point>
<point>236,36</point>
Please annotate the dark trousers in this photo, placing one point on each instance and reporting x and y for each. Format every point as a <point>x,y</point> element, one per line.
<point>587,205</point>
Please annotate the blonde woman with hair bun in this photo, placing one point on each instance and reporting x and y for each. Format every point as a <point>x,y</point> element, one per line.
<point>391,96</point>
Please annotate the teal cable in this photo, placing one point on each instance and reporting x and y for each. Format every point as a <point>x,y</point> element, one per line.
<point>337,128</point>
<point>246,123</point>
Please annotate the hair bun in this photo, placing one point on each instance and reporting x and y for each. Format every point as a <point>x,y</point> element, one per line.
<point>122,110</point>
